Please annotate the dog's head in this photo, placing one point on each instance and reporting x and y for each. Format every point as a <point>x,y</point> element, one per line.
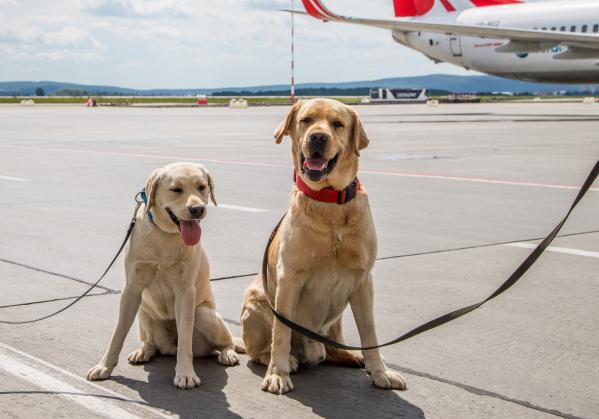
<point>327,137</point>
<point>178,194</point>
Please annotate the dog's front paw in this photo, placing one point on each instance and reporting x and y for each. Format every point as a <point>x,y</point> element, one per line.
<point>187,380</point>
<point>277,384</point>
<point>389,380</point>
<point>98,372</point>
<point>228,357</point>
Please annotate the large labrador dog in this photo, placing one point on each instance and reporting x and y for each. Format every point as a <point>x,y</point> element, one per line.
<point>322,255</point>
<point>167,279</point>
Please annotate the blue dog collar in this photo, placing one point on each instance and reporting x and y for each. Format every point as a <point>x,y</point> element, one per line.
<point>144,198</point>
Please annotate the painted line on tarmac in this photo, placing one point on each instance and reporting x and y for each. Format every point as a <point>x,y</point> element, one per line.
<point>476,180</point>
<point>34,375</point>
<point>564,250</point>
<point>240,208</point>
<point>262,164</point>
<point>486,120</point>
<point>16,179</point>
<point>30,370</point>
<point>150,156</point>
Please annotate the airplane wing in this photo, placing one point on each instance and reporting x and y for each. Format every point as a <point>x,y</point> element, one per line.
<point>521,40</point>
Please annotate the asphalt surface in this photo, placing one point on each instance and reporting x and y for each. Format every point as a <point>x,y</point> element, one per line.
<point>459,194</point>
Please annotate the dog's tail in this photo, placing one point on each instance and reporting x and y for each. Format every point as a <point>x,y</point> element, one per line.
<point>239,345</point>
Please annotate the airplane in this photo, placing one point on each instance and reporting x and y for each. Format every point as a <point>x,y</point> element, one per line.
<point>546,41</point>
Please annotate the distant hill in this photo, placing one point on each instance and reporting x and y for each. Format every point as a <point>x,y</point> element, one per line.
<point>441,82</point>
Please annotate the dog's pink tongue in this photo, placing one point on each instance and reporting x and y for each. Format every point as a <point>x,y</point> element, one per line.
<point>315,164</point>
<point>190,232</point>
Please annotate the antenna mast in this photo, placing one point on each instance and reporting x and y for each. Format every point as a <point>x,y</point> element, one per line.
<point>292,97</point>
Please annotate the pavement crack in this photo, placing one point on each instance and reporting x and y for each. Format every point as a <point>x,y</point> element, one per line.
<point>231,321</point>
<point>480,246</point>
<point>482,392</point>
<point>53,300</point>
<point>220,278</point>
<point>72,278</point>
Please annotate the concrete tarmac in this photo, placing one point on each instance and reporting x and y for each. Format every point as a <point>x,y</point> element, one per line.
<point>459,194</point>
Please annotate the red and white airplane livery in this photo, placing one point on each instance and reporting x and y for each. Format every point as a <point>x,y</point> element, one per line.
<point>542,41</point>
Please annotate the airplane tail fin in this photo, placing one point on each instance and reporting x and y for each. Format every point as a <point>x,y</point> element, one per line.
<point>414,8</point>
<point>317,9</point>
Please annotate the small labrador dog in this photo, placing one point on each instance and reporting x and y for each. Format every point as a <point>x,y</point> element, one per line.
<point>167,279</point>
<point>322,255</point>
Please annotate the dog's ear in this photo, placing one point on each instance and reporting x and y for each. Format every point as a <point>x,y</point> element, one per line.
<point>211,186</point>
<point>283,128</point>
<point>151,187</point>
<point>359,138</point>
<point>210,183</point>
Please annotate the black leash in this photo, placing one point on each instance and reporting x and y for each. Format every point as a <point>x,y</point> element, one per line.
<point>512,279</point>
<point>94,285</point>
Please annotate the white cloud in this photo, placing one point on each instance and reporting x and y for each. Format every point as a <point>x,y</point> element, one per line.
<point>19,32</point>
<point>137,8</point>
<point>147,43</point>
<point>66,55</point>
<point>72,37</point>
<point>25,40</point>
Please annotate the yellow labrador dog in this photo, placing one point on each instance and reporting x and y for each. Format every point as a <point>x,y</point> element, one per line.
<point>322,256</point>
<point>167,279</point>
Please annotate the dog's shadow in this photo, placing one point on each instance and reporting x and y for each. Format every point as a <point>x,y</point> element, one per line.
<point>336,392</point>
<point>208,400</point>
<point>329,392</point>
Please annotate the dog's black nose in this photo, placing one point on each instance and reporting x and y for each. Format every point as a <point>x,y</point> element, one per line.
<point>197,210</point>
<point>319,137</point>
<point>318,141</point>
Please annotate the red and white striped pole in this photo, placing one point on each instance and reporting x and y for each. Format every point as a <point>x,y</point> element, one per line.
<point>292,97</point>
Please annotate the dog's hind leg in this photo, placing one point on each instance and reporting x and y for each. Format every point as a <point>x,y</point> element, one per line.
<point>154,338</point>
<point>342,357</point>
<point>216,335</point>
<point>148,349</point>
<point>165,337</point>
<point>256,333</point>
<point>309,351</point>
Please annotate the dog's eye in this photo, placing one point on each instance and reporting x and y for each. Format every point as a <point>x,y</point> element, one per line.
<point>177,190</point>
<point>202,188</point>
<point>338,124</point>
<point>306,120</point>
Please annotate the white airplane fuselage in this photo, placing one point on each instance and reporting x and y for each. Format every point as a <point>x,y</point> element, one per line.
<point>555,64</point>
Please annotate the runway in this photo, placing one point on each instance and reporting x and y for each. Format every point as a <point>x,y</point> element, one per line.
<point>460,194</point>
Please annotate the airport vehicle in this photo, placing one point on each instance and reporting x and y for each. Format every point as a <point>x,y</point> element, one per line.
<point>202,100</point>
<point>544,41</point>
<point>382,94</point>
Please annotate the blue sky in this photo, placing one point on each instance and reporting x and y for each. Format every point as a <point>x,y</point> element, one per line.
<point>195,43</point>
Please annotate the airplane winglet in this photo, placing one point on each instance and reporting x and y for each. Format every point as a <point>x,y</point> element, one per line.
<point>318,10</point>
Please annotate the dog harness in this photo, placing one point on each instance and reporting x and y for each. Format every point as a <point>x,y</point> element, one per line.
<point>328,194</point>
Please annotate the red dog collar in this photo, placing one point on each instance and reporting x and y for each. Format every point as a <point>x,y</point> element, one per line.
<point>328,194</point>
